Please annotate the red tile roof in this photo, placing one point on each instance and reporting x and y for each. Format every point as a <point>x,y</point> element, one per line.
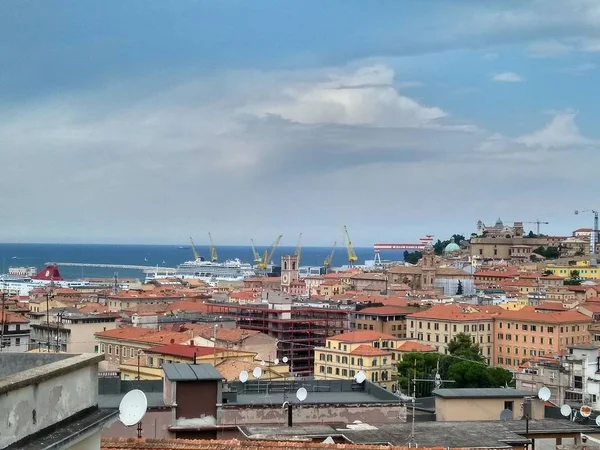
<point>529,314</point>
<point>185,351</point>
<point>11,317</point>
<point>145,335</point>
<point>384,310</point>
<point>457,312</point>
<point>368,350</point>
<point>412,346</point>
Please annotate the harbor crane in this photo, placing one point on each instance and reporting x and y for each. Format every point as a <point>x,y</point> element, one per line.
<point>213,249</point>
<point>298,251</point>
<point>594,235</point>
<point>257,257</point>
<point>329,259</point>
<point>352,258</point>
<point>268,257</point>
<point>196,255</point>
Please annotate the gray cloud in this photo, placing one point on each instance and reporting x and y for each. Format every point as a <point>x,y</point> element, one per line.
<point>254,155</point>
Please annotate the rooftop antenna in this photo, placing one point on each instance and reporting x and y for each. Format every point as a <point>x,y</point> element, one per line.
<point>301,395</point>
<point>132,409</point>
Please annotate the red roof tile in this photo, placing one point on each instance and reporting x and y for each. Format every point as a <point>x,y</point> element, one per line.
<point>361,336</point>
<point>185,351</point>
<point>457,312</point>
<point>368,350</point>
<point>412,346</point>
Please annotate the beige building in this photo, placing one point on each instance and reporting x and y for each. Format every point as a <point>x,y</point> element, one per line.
<point>389,320</point>
<point>457,405</point>
<point>527,333</point>
<point>438,325</point>
<point>376,354</point>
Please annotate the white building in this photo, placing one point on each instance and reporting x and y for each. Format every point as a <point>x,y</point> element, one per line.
<point>584,385</point>
<point>14,332</point>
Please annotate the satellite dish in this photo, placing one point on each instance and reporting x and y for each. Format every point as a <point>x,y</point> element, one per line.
<point>132,407</point>
<point>285,359</point>
<point>598,421</point>
<point>301,394</point>
<point>544,394</point>
<point>262,363</point>
<point>243,376</point>
<point>257,372</point>
<point>585,411</point>
<point>360,377</point>
<point>506,414</point>
<point>566,410</point>
<point>276,361</point>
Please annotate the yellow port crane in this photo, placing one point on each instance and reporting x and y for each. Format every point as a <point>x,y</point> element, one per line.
<point>298,251</point>
<point>329,259</point>
<point>213,250</point>
<point>257,257</point>
<point>269,254</point>
<point>352,258</point>
<point>196,255</point>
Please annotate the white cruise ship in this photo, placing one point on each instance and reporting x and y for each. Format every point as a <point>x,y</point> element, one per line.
<point>207,271</point>
<point>13,284</point>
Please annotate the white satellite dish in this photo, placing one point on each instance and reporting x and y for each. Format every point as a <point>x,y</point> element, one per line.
<point>566,410</point>
<point>276,361</point>
<point>243,376</point>
<point>257,372</point>
<point>544,394</point>
<point>132,407</point>
<point>360,377</point>
<point>585,411</point>
<point>506,414</point>
<point>285,359</point>
<point>262,363</point>
<point>301,394</point>
<point>598,421</point>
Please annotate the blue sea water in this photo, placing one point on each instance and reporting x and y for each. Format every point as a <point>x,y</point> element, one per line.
<point>14,255</point>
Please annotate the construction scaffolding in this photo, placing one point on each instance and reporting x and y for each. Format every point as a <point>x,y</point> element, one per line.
<point>297,330</point>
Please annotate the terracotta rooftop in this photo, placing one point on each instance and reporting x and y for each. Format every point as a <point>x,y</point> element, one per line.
<point>457,312</point>
<point>361,336</point>
<point>185,351</point>
<point>190,444</point>
<point>384,310</point>
<point>529,314</point>
<point>11,317</point>
<point>232,335</point>
<point>145,335</point>
<point>230,369</point>
<point>368,350</point>
<point>412,346</point>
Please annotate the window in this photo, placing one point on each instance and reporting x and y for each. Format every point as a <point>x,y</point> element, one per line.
<point>131,352</point>
<point>150,361</point>
<point>525,328</point>
<point>117,350</point>
<point>360,362</point>
<point>509,405</point>
<point>550,329</point>
<point>337,358</point>
<point>374,363</point>
<point>337,371</point>
<point>17,341</point>
<point>578,382</point>
<point>329,370</point>
<point>436,326</point>
<point>344,372</point>
<point>344,360</point>
<point>533,328</point>
<point>103,348</point>
<point>110,349</point>
<point>322,369</point>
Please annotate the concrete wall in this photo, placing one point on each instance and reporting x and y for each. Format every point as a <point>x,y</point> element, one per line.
<point>465,409</point>
<point>311,414</point>
<point>35,399</point>
<point>155,425</point>
<point>83,336</point>
<point>11,364</point>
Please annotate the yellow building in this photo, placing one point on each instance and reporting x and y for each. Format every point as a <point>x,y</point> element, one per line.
<point>585,269</point>
<point>151,360</point>
<point>374,353</point>
<point>514,305</point>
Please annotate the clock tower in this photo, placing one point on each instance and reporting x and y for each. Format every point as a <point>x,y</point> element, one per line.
<point>289,272</point>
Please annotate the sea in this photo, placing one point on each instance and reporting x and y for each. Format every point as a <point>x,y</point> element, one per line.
<point>37,255</point>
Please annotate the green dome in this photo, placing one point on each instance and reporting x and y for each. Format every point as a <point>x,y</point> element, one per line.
<point>451,247</point>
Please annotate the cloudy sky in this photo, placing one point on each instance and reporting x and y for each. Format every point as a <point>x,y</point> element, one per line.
<point>147,121</point>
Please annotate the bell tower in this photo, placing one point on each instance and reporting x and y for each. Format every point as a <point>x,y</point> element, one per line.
<point>289,272</point>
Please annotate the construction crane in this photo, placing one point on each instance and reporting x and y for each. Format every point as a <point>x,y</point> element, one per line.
<point>352,258</point>
<point>257,257</point>
<point>196,255</point>
<point>594,235</point>
<point>298,251</point>
<point>269,254</point>
<point>213,249</point>
<point>329,259</point>
<point>538,222</point>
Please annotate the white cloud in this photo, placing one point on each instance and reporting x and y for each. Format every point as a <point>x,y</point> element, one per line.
<point>560,132</point>
<point>507,77</point>
<point>550,48</point>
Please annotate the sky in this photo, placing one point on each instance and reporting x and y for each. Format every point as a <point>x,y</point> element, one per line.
<point>145,121</point>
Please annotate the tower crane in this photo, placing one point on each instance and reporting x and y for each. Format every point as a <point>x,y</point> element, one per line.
<point>213,249</point>
<point>196,255</point>
<point>538,222</point>
<point>352,258</point>
<point>329,259</point>
<point>257,257</point>
<point>594,235</point>
<point>269,254</point>
<point>298,251</point>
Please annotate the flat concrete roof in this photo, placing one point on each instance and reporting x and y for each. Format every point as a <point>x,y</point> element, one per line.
<point>319,392</point>
<point>481,393</point>
<point>485,434</point>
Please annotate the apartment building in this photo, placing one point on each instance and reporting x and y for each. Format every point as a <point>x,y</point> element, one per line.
<point>438,325</point>
<point>383,319</point>
<point>527,333</point>
<point>375,353</point>
<point>14,332</point>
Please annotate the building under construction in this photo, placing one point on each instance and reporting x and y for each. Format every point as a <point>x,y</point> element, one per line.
<point>298,329</point>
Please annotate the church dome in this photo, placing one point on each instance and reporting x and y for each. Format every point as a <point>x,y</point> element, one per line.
<point>451,247</point>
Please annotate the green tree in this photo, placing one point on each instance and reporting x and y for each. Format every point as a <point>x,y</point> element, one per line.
<point>412,257</point>
<point>439,246</point>
<point>467,374</point>
<point>548,252</point>
<point>459,290</point>
<point>462,346</point>
<point>423,365</point>
<point>574,279</point>
<point>547,272</point>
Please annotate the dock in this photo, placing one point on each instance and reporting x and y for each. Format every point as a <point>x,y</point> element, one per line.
<point>111,266</point>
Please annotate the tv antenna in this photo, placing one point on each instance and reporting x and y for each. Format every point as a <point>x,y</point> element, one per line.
<point>301,395</point>
<point>132,409</point>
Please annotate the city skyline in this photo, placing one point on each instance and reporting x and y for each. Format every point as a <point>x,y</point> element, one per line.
<point>149,122</point>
